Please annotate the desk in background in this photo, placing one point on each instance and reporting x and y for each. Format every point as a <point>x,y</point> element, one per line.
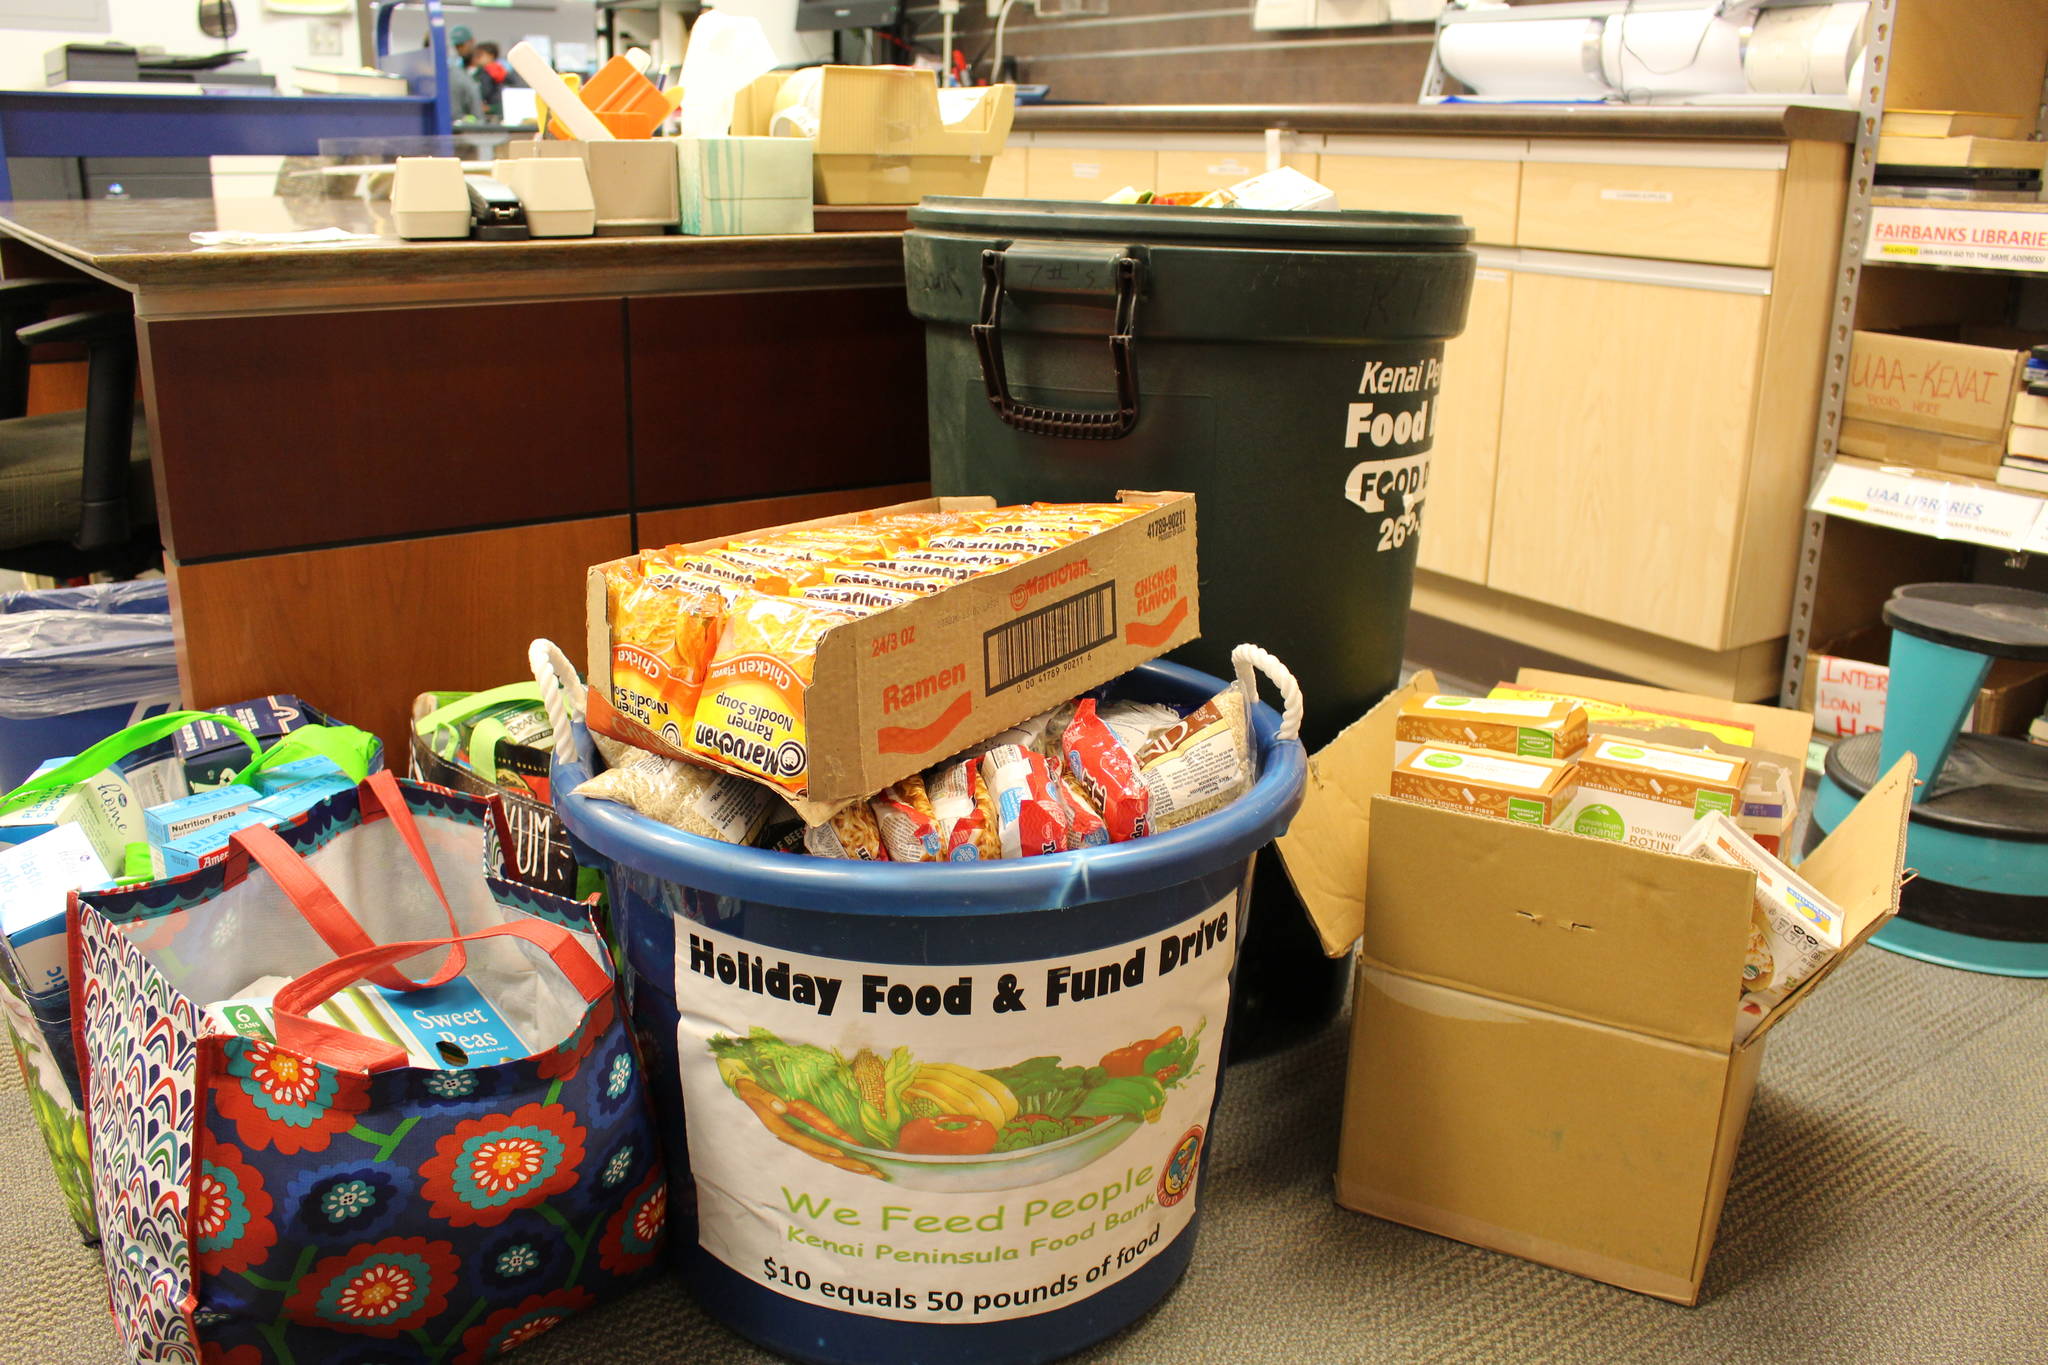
<point>383,468</point>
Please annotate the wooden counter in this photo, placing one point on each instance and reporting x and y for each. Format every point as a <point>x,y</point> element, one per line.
<point>382,466</point>
<point>1758,122</point>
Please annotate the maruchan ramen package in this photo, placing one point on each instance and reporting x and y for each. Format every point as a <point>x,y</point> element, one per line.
<point>1795,929</point>
<point>1527,727</point>
<point>1199,764</point>
<point>1533,791</point>
<point>750,714</point>
<point>1649,795</point>
<point>665,630</point>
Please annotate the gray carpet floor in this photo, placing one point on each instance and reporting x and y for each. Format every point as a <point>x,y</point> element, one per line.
<point>1890,1205</point>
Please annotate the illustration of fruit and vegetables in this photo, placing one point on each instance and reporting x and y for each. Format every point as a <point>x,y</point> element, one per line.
<point>805,1095</point>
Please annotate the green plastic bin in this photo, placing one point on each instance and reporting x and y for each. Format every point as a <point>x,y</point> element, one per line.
<point>1283,367</point>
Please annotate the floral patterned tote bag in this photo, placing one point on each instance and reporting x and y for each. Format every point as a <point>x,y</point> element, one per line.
<point>443,1178</point>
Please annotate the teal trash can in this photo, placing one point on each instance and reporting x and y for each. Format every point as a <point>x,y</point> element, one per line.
<point>1285,368</point>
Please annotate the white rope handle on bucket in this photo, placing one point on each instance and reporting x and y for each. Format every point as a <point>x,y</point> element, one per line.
<point>1250,661</point>
<point>561,692</point>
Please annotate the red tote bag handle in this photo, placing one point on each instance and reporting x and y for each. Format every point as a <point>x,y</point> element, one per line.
<point>326,1042</point>
<point>322,909</point>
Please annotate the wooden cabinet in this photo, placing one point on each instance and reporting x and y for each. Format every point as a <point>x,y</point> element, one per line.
<point>1716,204</point>
<point>1626,418</point>
<point>1215,166</point>
<point>360,629</point>
<point>775,392</point>
<point>1087,172</point>
<point>1479,179</point>
<point>1625,426</point>
<point>1457,526</point>
<point>1008,173</point>
<point>281,430</point>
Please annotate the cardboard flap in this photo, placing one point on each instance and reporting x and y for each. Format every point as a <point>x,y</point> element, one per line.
<point>1324,850</point>
<point>1861,868</point>
<point>1647,942</point>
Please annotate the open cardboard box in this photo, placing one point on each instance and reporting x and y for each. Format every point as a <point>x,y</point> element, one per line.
<point>1542,1050</point>
<point>893,693</point>
<point>880,136</point>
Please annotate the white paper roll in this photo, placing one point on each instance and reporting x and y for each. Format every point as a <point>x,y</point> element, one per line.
<point>1810,50</point>
<point>1536,57</point>
<point>1837,47</point>
<point>1672,52</point>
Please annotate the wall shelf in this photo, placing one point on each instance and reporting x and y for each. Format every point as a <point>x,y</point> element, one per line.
<point>1929,505</point>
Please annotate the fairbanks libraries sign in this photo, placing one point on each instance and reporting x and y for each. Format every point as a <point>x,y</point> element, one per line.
<point>2014,238</point>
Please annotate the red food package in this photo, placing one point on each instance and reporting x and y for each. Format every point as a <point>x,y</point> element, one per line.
<point>909,829</point>
<point>1030,819</point>
<point>1105,770</point>
<point>1085,826</point>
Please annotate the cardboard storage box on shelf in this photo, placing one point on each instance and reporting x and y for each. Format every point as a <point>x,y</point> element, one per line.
<point>881,133</point>
<point>1543,1056</point>
<point>1936,405</point>
<point>892,694</point>
<point>1846,680</point>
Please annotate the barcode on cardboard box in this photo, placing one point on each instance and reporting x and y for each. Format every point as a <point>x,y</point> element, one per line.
<point>1030,645</point>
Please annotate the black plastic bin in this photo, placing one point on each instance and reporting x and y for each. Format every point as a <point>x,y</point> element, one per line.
<point>1283,367</point>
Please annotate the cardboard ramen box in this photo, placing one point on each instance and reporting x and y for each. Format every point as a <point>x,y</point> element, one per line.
<point>893,693</point>
<point>1543,1052</point>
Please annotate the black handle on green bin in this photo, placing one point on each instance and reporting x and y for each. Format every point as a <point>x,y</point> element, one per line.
<point>1073,423</point>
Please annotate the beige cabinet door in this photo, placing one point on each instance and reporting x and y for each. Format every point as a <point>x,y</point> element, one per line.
<point>1006,174</point>
<point>1087,173</point>
<point>1624,449</point>
<point>1679,213</point>
<point>1181,168</point>
<point>1457,520</point>
<point>1483,193</point>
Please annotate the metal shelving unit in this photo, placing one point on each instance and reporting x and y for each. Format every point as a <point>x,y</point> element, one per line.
<point>1921,504</point>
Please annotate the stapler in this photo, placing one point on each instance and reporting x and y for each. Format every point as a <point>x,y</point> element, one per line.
<point>495,213</point>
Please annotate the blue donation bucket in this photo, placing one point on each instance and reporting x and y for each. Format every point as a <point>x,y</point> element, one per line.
<point>946,1112</point>
<point>77,664</point>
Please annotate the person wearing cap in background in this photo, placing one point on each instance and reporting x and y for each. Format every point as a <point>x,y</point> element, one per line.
<point>465,101</point>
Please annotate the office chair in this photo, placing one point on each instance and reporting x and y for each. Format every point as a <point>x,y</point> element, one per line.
<point>76,496</point>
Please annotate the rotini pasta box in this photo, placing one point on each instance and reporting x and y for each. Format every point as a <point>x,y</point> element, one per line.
<point>828,659</point>
<point>1556,1038</point>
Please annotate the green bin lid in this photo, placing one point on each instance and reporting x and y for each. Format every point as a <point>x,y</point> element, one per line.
<point>1178,223</point>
